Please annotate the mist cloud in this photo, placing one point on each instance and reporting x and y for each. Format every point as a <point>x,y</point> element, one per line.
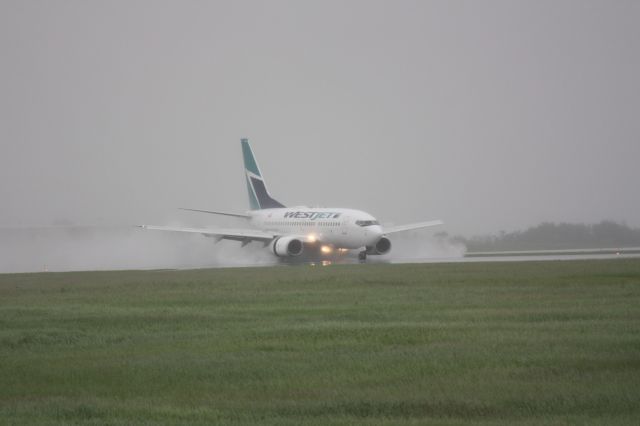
<point>86,248</point>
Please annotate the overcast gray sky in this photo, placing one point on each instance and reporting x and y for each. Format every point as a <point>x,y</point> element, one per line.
<point>490,115</point>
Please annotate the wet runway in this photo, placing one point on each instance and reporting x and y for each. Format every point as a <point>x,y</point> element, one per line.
<point>514,256</point>
<point>117,248</point>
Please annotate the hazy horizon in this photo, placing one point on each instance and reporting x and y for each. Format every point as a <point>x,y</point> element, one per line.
<point>494,115</point>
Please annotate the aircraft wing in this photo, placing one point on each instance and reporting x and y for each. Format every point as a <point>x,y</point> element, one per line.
<point>244,235</point>
<point>412,226</point>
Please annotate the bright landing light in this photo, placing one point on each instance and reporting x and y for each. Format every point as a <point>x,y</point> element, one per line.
<point>326,249</point>
<point>311,238</point>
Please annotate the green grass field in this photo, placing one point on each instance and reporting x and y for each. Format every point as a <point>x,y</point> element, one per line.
<point>482,343</point>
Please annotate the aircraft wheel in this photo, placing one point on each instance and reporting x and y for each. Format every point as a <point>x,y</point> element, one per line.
<point>362,256</point>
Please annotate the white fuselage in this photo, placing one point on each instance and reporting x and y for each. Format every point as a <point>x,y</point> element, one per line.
<point>340,228</point>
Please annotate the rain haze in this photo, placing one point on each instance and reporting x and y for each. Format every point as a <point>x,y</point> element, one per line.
<point>492,115</point>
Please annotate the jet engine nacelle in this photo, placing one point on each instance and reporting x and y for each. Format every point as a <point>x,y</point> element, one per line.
<point>287,246</point>
<point>382,246</point>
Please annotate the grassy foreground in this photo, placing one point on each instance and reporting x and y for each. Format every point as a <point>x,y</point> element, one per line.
<point>482,343</point>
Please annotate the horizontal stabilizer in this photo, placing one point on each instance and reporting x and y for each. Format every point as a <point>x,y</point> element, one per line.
<point>245,216</point>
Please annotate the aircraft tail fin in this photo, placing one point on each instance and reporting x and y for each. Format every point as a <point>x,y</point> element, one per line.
<point>259,197</point>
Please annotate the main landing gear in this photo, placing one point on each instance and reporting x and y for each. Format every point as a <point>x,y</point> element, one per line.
<point>362,256</point>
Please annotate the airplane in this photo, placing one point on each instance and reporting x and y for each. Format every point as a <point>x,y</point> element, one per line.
<point>291,231</point>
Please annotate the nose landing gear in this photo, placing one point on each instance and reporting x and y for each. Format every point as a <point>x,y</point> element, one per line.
<point>362,256</point>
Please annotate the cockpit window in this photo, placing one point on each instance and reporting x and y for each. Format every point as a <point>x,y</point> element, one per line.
<point>366,222</point>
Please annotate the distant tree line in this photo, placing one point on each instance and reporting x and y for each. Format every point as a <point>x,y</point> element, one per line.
<point>556,236</point>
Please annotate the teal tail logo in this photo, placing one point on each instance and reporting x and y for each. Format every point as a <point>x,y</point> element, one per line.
<point>259,197</point>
